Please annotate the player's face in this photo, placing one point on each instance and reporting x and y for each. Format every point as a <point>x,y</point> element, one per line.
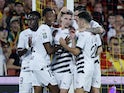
<point>50,17</point>
<point>80,22</point>
<point>33,21</point>
<point>66,20</point>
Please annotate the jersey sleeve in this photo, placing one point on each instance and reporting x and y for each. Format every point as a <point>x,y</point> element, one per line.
<point>99,42</point>
<point>81,41</point>
<point>94,24</point>
<point>46,34</point>
<point>21,43</point>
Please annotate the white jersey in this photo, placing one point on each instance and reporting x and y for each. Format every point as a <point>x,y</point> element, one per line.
<point>23,43</point>
<point>99,42</point>
<point>25,82</point>
<point>40,57</point>
<point>96,79</point>
<point>87,43</point>
<point>63,59</point>
<point>93,24</point>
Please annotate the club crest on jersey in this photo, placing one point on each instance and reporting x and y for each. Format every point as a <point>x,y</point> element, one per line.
<point>44,35</point>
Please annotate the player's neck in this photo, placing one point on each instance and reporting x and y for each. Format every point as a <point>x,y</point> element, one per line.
<point>63,27</point>
<point>84,28</point>
<point>34,28</point>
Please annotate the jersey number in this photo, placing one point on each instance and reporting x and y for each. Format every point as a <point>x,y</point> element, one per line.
<point>94,51</point>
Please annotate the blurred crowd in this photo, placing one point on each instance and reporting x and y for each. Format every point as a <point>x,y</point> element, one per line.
<point>108,13</point>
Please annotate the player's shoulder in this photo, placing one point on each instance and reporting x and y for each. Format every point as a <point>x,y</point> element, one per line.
<point>94,24</point>
<point>24,32</point>
<point>86,32</point>
<point>44,26</point>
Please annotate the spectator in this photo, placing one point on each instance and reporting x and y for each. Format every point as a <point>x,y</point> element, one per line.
<point>3,35</point>
<point>111,27</point>
<point>59,3</point>
<point>52,4</point>
<point>122,39</point>
<point>111,21</point>
<point>2,5</point>
<point>2,14</point>
<point>98,14</point>
<point>112,6</point>
<point>2,61</point>
<point>14,32</point>
<point>111,61</point>
<point>119,21</point>
<point>4,55</point>
<point>19,9</point>
<point>98,7</point>
<point>4,42</point>
<point>13,64</point>
<point>2,65</point>
<point>27,6</point>
<point>6,50</point>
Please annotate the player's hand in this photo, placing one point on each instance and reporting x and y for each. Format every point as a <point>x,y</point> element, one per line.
<point>72,35</point>
<point>54,33</point>
<point>62,42</point>
<point>67,39</point>
<point>72,32</point>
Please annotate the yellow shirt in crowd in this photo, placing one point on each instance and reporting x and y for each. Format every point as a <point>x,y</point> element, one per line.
<point>117,64</point>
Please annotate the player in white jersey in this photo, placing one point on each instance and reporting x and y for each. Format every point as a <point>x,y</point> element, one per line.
<point>84,52</point>
<point>49,16</point>
<point>24,51</point>
<point>40,60</point>
<point>62,61</point>
<point>97,29</point>
<point>96,80</point>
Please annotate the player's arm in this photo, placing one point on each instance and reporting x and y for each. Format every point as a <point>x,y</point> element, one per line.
<point>97,30</point>
<point>72,36</point>
<point>74,51</point>
<point>100,50</point>
<point>50,49</point>
<point>21,51</point>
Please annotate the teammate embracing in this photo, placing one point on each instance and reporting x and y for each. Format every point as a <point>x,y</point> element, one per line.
<point>85,51</point>
<point>39,44</point>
